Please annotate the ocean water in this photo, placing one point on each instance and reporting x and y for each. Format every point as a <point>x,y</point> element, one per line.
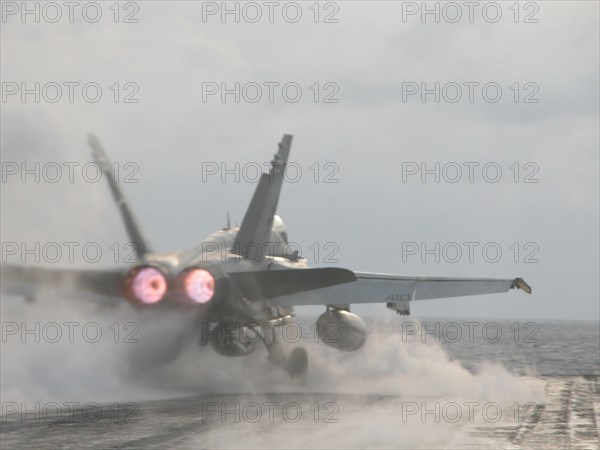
<point>522,346</point>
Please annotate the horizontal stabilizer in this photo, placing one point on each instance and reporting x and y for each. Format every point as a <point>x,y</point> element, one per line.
<point>265,285</point>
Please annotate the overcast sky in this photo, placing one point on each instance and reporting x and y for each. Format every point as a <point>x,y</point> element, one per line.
<point>379,127</point>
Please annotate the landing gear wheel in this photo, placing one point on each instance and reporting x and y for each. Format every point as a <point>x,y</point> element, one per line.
<point>298,363</point>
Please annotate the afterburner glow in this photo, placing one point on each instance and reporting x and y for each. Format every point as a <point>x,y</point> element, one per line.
<point>199,285</point>
<point>147,285</point>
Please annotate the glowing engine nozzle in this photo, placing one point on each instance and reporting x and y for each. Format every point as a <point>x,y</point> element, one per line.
<point>198,285</point>
<point>145,285</point>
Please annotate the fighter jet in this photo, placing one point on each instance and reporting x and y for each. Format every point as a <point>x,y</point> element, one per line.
<point>242,282</point>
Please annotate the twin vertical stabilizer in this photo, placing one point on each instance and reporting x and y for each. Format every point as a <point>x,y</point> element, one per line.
<point>133,229</point>
<point>258,221</point>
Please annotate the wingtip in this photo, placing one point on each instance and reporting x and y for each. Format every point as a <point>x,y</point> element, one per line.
<point>520,283</point>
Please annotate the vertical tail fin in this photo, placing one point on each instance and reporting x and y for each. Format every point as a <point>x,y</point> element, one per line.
<point>258,221</point>
<point>133,229</point>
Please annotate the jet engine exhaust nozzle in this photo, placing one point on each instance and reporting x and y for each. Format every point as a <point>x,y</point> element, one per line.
<point>145,285</point>
<point>198,285</point>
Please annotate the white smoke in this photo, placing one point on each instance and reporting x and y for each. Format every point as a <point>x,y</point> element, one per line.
<point>109,367</point>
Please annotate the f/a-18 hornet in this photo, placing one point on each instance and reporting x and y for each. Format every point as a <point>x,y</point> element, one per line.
<point>243,281</point>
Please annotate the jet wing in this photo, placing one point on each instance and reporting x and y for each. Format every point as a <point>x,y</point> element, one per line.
<point>384,288</point>
<point>29,281</point>
<point>265,285</point>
